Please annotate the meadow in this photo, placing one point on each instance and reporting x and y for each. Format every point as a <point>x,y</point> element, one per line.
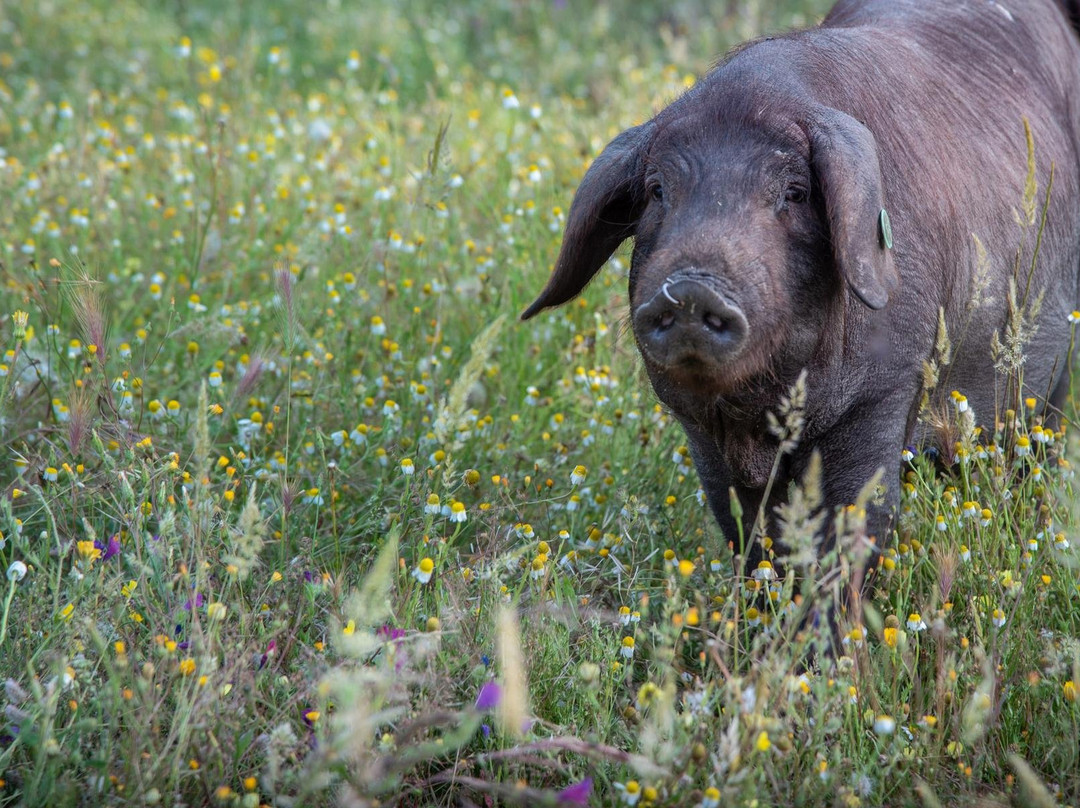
<point>294,511</point>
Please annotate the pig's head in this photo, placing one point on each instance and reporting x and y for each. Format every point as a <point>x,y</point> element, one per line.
<point>751,218</point>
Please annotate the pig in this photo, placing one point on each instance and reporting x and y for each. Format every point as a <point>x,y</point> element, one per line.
<point>825,205</point>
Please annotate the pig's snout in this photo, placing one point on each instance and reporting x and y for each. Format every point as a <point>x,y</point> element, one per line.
<point>688,324</point>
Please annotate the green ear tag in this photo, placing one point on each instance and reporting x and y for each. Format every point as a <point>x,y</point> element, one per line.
<point>886,230</point>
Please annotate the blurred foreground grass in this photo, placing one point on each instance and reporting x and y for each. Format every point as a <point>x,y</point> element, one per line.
<point>293,511</point>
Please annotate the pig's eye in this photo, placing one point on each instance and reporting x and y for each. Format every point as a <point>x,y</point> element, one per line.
<point>656,192</point>
<point>795,194</point>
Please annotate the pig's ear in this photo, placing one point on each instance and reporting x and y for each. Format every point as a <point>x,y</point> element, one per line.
<point>603,215</point>
<point>845,159</point>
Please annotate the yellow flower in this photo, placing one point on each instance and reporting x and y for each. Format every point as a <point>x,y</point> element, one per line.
<point>88,551</point>
<point>424,570</point>
<point>763,744</point>
<point>187,666</point>
<point>1069,691</point>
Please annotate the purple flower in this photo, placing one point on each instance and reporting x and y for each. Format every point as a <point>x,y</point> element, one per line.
<point>197,603</point>
<point>489,696</point>
<point>576,794</point>
<point>389,633</point>
<point>110,549</point>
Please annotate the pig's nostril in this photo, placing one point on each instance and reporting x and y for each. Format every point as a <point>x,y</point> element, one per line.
<point>717,323</point>
<point>666,320</point>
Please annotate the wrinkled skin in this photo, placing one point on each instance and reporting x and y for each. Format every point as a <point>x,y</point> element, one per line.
<point>755,206</point>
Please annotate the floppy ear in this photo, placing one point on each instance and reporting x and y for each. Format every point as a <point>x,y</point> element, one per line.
<point>845,159</point>
<point>603,215</point>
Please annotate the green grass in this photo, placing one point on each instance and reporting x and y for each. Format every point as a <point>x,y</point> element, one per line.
<point>271,254</point>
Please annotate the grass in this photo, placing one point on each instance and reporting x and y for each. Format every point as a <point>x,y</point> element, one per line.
<point>294,512</point>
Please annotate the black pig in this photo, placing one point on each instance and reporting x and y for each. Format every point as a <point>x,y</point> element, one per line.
<point>760,205</point>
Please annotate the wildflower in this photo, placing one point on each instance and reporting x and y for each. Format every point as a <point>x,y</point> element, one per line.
<point>457,512</point>
<point>998,618</point>
<point>763,744</point>
<point>854,637</point>
<point>112,548</point>
<point>537,568</point>
<point>890,634</point>
<point>715,565</point>
<point>378,327</point>
<point>576,794</point>
<point>16,571</point>
<point>686,568</point>
<point>965,553</point>
<point>764,572</point>
<point>1060,542</point>
<point>711,798</point>
<point>631,791</point>
<point>884,725</point>
<point>915,622</point>
<point>424,570</point>
<point>349,628</point>
<point>577,476</point>
<point>753,616</point>
<point>407,467</point>
<point>19,322</point>
<point>1023,446</point>
<point>187,666</point>
<point>510,102</point>
<point>627,649</point>
<point>489,696</point>
<point>88,551</point>
<point>907,455</point>
<point>434,505</point>
<point>1068,690</point>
